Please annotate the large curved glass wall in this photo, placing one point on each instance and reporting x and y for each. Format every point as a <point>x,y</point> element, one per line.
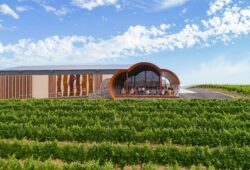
<point>145,80</point>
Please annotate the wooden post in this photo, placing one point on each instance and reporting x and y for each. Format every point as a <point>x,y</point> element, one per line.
<point>78,89</point>
<point>127,83</point>
<point>59,85</point>
<point>65,85</point>
<point>91,83</point>
<point>84,85</point>
<point>160,82</point>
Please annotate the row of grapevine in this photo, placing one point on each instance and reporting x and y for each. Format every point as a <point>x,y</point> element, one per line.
<point>31,164</point>
<point>182,136</point>
<point>128,106</point>
<point>122,155</point>
<point>99,134</point>
<point>213,121</point>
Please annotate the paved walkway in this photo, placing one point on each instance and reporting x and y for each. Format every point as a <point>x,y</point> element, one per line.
<point>202,94</point>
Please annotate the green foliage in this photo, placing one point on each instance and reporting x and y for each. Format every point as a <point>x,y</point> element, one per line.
<point>243,89</point>
<point>99,134</point>
<point>31,164</point>
<point>196,122</point>
<point>122,155</point>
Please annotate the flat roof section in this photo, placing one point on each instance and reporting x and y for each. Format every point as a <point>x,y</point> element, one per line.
<point>48,70</point>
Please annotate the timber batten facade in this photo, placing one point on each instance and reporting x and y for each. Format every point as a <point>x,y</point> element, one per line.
<point>141,80</point>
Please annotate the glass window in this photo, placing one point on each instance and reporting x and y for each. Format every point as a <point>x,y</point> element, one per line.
<point>144,81</point>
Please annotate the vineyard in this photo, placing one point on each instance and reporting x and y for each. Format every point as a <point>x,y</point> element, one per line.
<point>242,89</point>
<point>125,134</point>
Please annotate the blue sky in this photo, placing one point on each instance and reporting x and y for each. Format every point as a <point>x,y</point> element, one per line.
<point>203,41</point>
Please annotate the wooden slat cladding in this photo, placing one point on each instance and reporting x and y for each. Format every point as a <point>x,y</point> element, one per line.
<point>29,86</point>
<point>97,81</point>
<point>84,84</point>
<point>72,79</point>
<point>59,85</point>
<point>10,86</point>
<point>91,83</point>
<point>75,85</point>
<point>65,85</point>
<point>16,87</point>
<point>78,83</point>
<point>7,87</point>
<point>1,87</point>
<point>21,87</point>
<point>52,86</point>
<point>25,87</point>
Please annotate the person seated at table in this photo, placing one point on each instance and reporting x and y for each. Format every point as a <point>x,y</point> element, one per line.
<point>163,91</point>
<point>136,90</point>
<point>157,91</point>
<point>132,91</point>
<point>123,91</point>
<point>143,88</point>
<point>139,90</point>
<point>153,91</point>
<point>170,91</point>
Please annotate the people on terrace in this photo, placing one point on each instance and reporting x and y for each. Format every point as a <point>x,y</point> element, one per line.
<point>168,91</point>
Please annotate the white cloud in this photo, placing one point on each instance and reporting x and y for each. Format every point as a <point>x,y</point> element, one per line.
<point>165,26</point>
<point>91,4</point>
<point>23,8</point>
<point>184,11</point>
<point>1,48</point>
<point>6,10</point>
<point>4,28</point>
<point>224,71</point>
<point>232,23</point>
<point>46,6</point>
<point>58,12</point>
<point>154,5</point>
<point>217,5</point>
<point>166,4</point>
<point>137,40</point>
<point>1,28</point>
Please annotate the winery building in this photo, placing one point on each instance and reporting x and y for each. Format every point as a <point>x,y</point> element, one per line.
<point>141,80</point>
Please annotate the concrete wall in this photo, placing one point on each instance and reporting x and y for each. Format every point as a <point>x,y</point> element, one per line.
<point>40,86</point>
